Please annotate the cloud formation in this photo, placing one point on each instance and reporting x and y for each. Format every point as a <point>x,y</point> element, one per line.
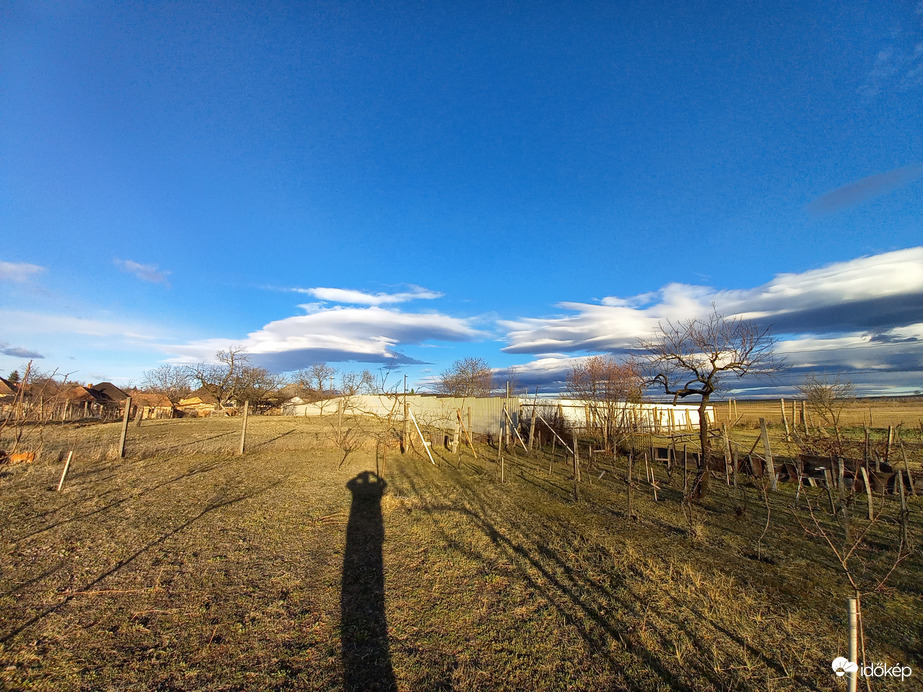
<point>865,190</point>
<point>19,272</point>
<point>337,334</point>
<point>898,64</point>
<point>37,323</point>
<point>18,352</point>
<point>861,316</point>
<point>353,297</point>
<point>146,272</point>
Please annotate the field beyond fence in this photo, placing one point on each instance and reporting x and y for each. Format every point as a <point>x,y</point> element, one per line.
<point>307,563</point>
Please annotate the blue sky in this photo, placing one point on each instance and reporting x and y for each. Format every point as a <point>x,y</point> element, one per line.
<point>418,182</point>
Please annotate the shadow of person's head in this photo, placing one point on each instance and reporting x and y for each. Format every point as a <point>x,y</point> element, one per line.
<point>367,484</point>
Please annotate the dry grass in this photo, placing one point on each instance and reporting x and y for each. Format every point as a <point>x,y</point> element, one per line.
<point>187,567</point>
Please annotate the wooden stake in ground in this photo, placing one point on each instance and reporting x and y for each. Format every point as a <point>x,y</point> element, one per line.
<point>913,489</point>
<point>630,459</point>
<point>405,426</point>
<point>788,434</point>
<point>727,455</point>
<point>456,434</point>
<point>422,440</point>
<point>467,434</point>
<point>243,430</point>
<point>853,641</point>
<point>67,465</point>
<point>828,478</point>
<point>124,428</point>
<point>899,478</point>
<point>890,441</point>
<point>532,425</point>
<point>556,434</point>
<point>650,476</point>
<point>868,492</point>
<point>513,428</point>
<point>576,459</point>
<point>769,461</point>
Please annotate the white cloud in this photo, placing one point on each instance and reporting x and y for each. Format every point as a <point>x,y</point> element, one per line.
<point>19,272</point>
<point>369,334</point>
<point>354,297</point>
<point>873,294</point>
<point>146,272</point>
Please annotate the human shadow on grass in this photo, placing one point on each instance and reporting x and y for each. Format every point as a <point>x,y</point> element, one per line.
<point>363,624</point>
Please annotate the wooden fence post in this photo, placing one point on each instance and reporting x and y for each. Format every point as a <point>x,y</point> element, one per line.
<point>243,430</point>
<point>853,641</point>
<point>124,428</point>
<point>788,434</point>
<point>769,461</point>
<point>405,428</point>
<point>67,465</point>
<point>913,488</point>
<point>868,492</point>
<point>576,459</point>
<point>630,459</point>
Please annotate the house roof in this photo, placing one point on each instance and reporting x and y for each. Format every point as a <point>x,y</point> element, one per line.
<point>7,388</point>
<point>199,396</point>
<point>79,394</point>
<point>150,399</point>
<point>109,390</point>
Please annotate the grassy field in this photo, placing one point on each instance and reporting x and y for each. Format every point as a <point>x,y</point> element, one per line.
<point>184,566</point>
<point>905,411</point>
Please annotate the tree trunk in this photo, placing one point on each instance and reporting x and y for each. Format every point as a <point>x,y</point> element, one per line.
<point>700,485</point>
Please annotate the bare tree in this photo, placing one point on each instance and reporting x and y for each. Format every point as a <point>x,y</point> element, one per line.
<point>256,385</point>
<point>828,399</point>
<point>605,386</point>
<point>468,377</point>
<point>317,380</point>
<point>220,379</point>
<point>171,381</point>
<point>694,357</point>
<point>353,383</point>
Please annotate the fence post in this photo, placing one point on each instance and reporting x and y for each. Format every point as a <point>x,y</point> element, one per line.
<point>769,461</point>
<point>124,428</point>
<point>67,465</point>
<point>853,641</point>
<point>788,433</point>
<point>243,430</point>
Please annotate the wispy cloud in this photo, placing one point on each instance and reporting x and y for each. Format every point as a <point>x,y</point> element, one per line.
<point>337,334</point>
<point>354,297</point>
<point>898,65</point>
<point>38,323</point>
<point>19,272</point>
<point>146,272</point>
<point>18,352</point>
<point>865,190</point>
